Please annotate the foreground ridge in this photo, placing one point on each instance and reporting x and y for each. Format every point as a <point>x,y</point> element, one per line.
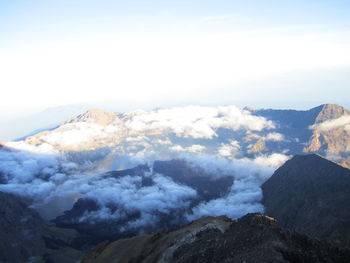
<point>252,238</point>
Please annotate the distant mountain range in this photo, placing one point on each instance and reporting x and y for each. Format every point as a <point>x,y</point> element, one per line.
<point>224,131</point>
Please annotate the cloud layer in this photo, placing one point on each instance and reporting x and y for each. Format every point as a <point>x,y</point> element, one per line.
<point>54,183</point>
<point>197,122</point>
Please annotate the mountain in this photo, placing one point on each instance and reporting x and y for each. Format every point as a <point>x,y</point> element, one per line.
<point>324,130</point>
<point>226,131</point>
<point>96,116</point>
<point>16,128</point>
<point>25,237</point>
<point>252,238</point>
<point>311,195</point>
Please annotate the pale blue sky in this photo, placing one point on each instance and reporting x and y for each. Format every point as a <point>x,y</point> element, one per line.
<point>290,54</point>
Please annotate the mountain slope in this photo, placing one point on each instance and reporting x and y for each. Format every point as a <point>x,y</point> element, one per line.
<point>252,238</point>
<point>26,237</point>
<point>311,195</point>
<point>324,130</point>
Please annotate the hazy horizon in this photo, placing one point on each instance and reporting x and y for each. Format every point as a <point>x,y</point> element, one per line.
<point>272,54</point>
<point>122,56</point>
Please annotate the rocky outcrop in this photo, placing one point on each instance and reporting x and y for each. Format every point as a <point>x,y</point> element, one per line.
<point>252,238</point>
<point>330,137</point>
<point>259,146</point>
<point>310,194</point>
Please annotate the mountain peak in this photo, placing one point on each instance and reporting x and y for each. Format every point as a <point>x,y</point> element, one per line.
<point>95,115</point>
<point>330,111</point>
<point>307,157</point>
<point>310,165</point>
<point>310,194</point>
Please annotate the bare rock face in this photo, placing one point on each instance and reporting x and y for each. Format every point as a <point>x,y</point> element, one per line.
<point>331,111</point>
<point>311,195</point>
<point>252,238</point>
<point>322,130</point>
<point>259,146</point>
<point>330,135</point>
<point>25,237</point>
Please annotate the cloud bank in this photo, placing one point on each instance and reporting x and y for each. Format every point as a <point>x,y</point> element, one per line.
<point>54,184</point>
<point>197,122</point>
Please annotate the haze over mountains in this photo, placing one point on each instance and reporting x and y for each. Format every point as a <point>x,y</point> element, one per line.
<point>113,175</point>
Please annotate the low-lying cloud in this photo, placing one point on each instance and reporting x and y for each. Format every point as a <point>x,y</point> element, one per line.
<point>343,121</point>
<point>54,184</point>
<point>197,122</point>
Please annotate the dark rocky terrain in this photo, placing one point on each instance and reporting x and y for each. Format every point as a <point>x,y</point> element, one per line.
<point>25,237</point>
<point>311,195</point>
<point>252,238</point>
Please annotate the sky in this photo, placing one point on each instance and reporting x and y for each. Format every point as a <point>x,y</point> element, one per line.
<point>147,54</point>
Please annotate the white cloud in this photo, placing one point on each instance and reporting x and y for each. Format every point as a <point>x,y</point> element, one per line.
<point>195,148</point>
<point>274,136</point>
<point>196,122</point>
<point>272,160</point>
<point>343,121</point>
<point>54,184</point>
<point>243,198</point>
<point>229,150</point>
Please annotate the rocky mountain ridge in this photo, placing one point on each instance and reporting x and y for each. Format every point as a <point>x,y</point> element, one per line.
<point>252,238</point>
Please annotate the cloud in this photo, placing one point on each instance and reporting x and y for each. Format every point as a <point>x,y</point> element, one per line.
<point>243,198</point>
<point>195,148</point>
<point>128,194</point>
<point>55,179</point>
<point>54,184</point>
<point>272,160</point>
<point>245,194</point>
<point>196,122</point>
<point>274,136</point>
<point>230,150</point>
<point>343,121</point>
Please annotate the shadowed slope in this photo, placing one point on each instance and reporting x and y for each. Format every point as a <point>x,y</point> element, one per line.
<point>311,195</point>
